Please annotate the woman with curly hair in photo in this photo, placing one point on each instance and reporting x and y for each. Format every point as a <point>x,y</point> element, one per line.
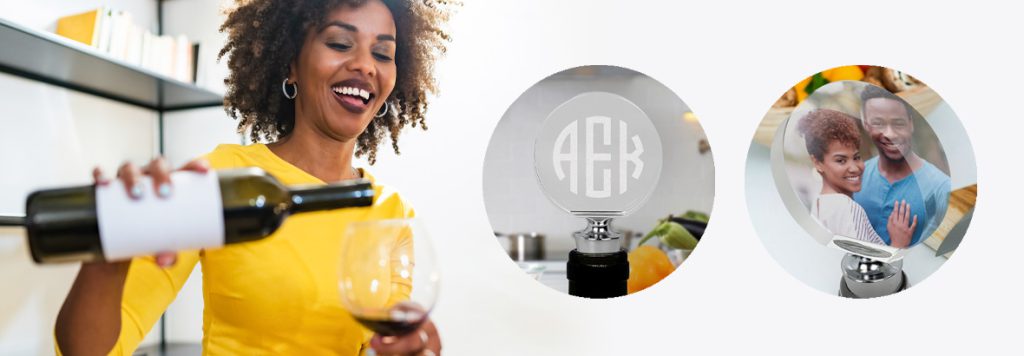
<point>320,81</point>
<point>833,140</point>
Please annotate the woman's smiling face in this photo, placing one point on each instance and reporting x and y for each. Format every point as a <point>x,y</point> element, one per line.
<point>841,168</point>
<point>346,70</point>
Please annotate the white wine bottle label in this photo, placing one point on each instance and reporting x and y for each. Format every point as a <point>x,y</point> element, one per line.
<point>190,218</point>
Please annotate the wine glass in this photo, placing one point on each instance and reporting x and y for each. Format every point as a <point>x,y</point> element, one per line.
<point>388,276</point>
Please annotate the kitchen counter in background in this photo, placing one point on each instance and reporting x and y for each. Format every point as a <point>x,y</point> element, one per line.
<point>552,273</point>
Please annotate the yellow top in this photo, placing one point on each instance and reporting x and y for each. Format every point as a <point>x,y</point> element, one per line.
<point>276,296</point>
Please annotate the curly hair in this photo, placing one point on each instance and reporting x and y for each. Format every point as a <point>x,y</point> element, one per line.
<point>265,36</point>
<point>821,127</point>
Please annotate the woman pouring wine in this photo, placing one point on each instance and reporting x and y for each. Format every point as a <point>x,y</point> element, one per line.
<point>321,81</point>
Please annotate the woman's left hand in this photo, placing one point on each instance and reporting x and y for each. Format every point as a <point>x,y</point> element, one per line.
<point>901,228</point>
<point>423,342</point>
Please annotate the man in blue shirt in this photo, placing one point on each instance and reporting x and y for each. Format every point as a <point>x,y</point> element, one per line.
<point>897,173</point>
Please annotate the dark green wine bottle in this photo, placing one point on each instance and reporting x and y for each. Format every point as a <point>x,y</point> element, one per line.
<point>63,224</point>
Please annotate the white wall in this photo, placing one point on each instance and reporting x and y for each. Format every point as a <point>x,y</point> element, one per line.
<point>200,21</point>
<point>43,14</point>
<point>54,136</point>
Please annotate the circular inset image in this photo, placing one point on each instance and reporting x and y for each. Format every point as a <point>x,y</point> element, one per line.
<point>598,181</point>
<point>877,174</point>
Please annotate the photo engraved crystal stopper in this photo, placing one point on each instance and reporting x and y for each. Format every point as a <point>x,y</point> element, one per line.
<point>834,217</point>
<point>598,156</point>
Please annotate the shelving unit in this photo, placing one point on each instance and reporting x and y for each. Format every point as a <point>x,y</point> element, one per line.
<point>55,60</point>
<point>49,58</point>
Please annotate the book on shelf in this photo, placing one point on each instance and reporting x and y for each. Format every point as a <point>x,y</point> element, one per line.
<point>115,33</point>
<point>84,27</point>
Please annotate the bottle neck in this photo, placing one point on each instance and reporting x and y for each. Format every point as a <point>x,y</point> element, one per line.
<point>12,221</point>
<point>353,193</point>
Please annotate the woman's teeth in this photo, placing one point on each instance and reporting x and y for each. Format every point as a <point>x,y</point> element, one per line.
<point>356,92</point>
<point>852,179</point>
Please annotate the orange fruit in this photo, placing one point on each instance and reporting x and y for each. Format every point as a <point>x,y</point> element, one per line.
<point>647,266</point>
<point>843,73</point>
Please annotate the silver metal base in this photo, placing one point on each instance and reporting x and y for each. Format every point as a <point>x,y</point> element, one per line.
<point>844,289</point>
<point>867,278</point>
<point>597,237</point>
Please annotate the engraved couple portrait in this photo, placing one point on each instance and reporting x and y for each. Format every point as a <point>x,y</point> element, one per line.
<point>866,165</point>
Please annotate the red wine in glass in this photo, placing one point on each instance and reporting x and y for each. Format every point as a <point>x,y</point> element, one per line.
<point>388,277</point>
<point>403,319</point>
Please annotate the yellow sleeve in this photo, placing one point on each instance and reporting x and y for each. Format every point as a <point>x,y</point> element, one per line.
<point>148,290</point>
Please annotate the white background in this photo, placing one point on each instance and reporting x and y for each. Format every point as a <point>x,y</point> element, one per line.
<point>729,62</point>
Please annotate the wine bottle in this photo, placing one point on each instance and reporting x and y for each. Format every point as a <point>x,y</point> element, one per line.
<point>6,221</point>
<point>102,223</point>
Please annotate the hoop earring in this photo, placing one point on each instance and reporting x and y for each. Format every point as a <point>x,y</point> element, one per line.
<point>385,112</point>
<point>284,88</point>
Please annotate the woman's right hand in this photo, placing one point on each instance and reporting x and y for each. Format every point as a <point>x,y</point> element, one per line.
<point>89,322</point>
<point>158,170</point>
<point>901,228</point>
